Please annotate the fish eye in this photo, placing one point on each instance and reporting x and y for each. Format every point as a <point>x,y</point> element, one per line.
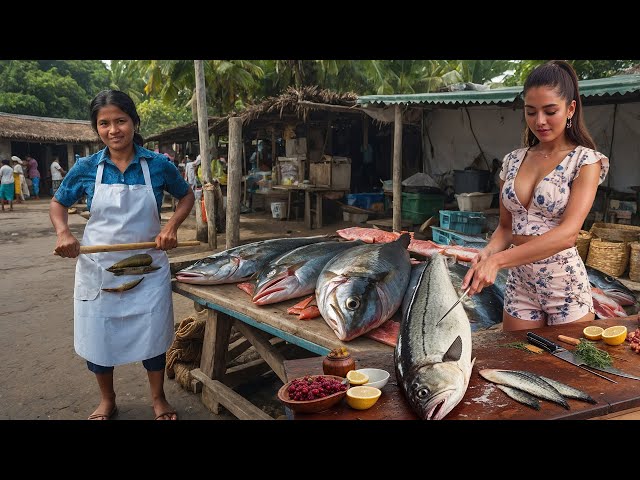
<point>352,303</point>
<point>423,392</point>
<point>608,279</point>
<point>271,273</point>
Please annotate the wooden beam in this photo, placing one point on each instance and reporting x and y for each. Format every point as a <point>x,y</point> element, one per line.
<point>326,106</point>
<point>215,392</point>
<point>234,182</point>
<point>237,348</point>
<point>213,362</point>
<point>261,343</point>
<point>397,170</point>
<point>246,372</point>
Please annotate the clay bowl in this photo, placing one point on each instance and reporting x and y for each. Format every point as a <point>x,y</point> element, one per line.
<point>311,406</point>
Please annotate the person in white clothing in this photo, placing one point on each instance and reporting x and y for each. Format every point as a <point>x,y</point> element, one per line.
<point>17,168</point>
<point>128,318</point>
<point>6,184</point>
<point>57,173</point>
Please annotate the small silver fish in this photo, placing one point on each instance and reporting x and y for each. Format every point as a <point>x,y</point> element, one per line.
<point>520,396</point>
<point>139,260</point>
<point>125,286</point>
<point>134,270</point>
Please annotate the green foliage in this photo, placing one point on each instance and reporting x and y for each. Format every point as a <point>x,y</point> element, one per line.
<point>585,69</point>
<point>51,88</point>
<point>156,116</point>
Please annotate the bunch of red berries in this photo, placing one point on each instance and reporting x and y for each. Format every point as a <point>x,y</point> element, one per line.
<point>312,388</point>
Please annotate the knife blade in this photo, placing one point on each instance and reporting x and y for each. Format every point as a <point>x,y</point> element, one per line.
<point>567,353</point>
<point>561,353</point>
<point>456,303</point>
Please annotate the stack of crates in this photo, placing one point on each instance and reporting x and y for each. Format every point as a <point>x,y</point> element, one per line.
<point>460,228</point>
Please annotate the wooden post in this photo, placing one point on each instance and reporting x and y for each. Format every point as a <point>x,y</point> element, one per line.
<point>397,170</point>
<point>234,182</point>
<point>201,226</point>
<point>71,159</point>
<point>205,165</point>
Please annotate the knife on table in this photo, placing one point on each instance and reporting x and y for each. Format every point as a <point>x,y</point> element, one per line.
<point>562,353</point>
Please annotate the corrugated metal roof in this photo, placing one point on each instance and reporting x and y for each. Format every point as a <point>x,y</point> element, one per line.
<point>620,84</point>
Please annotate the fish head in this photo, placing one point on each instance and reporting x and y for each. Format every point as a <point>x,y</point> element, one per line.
<point>211,270</point>
<point>276,284</point>
<point>611,286</point>
<point>434,390</point>
<point>352,305</point>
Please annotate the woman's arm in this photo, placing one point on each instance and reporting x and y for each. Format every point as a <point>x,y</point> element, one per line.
<point>66,244</point>
<point>168,236</point>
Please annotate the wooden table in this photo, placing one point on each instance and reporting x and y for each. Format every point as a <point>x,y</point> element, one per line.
<point>482,400</point>
<point>313,196</point>
<point>264,328</point>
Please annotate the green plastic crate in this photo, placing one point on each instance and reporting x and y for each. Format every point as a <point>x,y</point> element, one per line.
<point>418,207</point>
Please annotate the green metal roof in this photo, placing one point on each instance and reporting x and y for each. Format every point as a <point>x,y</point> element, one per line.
<point>620,84</point>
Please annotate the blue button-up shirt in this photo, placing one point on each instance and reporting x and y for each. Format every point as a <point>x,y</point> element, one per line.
<point>81,178</point>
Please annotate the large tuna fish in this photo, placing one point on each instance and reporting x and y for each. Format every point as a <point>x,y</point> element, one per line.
<point>611,286</point>
<point>295,273</point>
<point>360,289</point>
<point>484,309</point>
<point>432,357</point>
<point>240,263</point>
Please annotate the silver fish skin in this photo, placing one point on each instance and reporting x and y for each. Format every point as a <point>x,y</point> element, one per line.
<point>238,264</point>
<point>611,286</point>
<point>520,396</point>
<point>432,357</point>
<point>295,273</point>
<point>565,390</point>
<point>361,288</point>
<point>535,386</point>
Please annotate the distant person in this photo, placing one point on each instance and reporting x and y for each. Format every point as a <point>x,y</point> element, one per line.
<point>190,172</point>
<point>34,175</point>
<point>6,185</point>
<point>57,174</point>
<point>17,184</point>
<point>124,183</point>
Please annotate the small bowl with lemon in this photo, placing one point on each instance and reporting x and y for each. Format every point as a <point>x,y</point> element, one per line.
<point>362,397</point>
<point>378,378</point>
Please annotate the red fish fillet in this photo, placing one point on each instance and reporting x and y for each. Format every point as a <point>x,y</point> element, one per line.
<point>370,235</point>
<point>386,333</point>
<point>247,287</point>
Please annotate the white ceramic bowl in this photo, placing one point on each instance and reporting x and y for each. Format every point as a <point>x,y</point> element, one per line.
<point>378,378</point>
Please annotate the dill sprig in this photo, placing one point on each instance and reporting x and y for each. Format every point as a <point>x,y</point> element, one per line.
<point>591,355</point>
<point>517,345</point>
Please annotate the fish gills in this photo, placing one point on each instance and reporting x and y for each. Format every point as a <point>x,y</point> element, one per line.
<point>433,359</point>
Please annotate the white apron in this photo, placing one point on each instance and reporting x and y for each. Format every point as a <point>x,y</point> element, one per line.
<point>113,328</point>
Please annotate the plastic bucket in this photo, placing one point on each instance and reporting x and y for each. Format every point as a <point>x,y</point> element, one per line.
<point>279,210</point>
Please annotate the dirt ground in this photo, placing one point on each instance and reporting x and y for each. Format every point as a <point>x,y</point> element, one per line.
<point>41,376</point>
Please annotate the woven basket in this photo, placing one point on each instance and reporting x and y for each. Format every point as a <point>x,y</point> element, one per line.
<point>634,262</point>
<point>608,257</point>
<point>582,244</point>
<point>615,232</point>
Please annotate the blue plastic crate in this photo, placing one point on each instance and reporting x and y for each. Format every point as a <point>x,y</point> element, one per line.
<point>365,200</point>
<point>448,237</point>
<point>463,222</point>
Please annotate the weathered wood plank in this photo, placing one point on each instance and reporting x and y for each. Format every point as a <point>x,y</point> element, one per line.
<point>216,392</point>
<point>246,372</point>
<point>273,318</point>
<point>261,343</point>
<point>213,362</point>
<point>237,348</point>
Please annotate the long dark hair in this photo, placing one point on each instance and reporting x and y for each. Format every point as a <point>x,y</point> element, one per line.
<point>123,102</point>
<point>561,76</point>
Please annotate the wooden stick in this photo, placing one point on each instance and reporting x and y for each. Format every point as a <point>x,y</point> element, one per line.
<point>129,246</point>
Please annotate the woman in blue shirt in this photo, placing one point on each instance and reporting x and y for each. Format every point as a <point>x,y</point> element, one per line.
<point>124,185</point>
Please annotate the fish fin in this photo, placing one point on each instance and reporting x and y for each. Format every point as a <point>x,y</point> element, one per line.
<point>404,240</point>
<point>455,351</point>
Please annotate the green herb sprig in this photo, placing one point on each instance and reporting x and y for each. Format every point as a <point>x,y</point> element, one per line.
<point>591,355</point>
<point>517,345</point>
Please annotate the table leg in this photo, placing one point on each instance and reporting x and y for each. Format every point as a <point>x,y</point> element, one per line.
<point>290,192</point>
<point>213,362</point>
<point>319,197</point>
<point>307,210</point>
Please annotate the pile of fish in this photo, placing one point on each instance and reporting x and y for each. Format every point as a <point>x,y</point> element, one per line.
<point>526,387</point>
<point>139,264</point>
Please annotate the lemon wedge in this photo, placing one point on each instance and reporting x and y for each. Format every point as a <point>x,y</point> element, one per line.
<point>357,378</point>
<point>615,335</point>
<point>362,397</point>
<point>593,333</point>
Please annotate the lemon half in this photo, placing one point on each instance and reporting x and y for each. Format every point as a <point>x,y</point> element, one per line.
<point>615,335</point>
<point>357,378</point>
<point>593,333</point>
<point>363,397</point>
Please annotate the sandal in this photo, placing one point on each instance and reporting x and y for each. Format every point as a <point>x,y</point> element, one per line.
<point>169,413</point>
<point>104,416</point>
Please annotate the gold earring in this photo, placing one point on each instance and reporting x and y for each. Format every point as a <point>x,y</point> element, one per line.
<point>569,122</point>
